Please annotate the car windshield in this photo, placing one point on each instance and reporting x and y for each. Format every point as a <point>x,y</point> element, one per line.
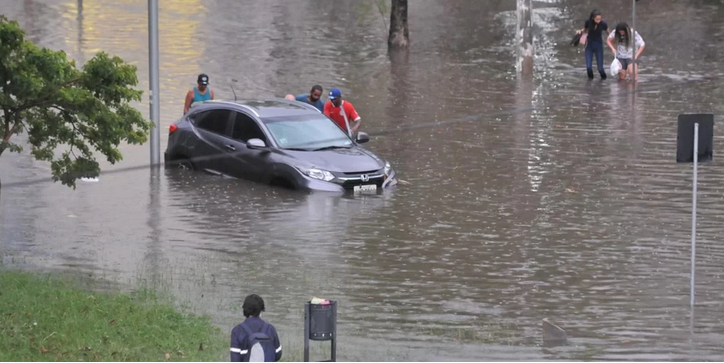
<point>307,133</point>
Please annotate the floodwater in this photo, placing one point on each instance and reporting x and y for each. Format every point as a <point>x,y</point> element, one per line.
<point>554,197</point>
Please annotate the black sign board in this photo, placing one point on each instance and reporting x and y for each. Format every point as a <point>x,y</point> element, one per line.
<point>685,138</point>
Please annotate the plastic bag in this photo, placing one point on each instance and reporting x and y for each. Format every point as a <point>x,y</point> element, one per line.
<point>615,67</point>
<point>584,39</point>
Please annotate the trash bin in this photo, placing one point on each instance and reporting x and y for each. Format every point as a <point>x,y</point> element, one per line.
<point>322,321</point>
<point>320,324</point>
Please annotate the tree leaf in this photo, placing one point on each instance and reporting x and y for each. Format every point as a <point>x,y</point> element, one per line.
<point>70,114</point>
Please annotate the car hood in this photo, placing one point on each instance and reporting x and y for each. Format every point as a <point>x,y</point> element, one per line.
<point>355,159</point>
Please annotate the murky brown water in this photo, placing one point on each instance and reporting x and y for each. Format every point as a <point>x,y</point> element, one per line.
<point>556,197</point>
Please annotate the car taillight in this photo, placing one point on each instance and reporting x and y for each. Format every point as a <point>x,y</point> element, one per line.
<point>172,128</point>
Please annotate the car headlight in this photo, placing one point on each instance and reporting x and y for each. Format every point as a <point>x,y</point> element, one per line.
<point>388,168</point>
<point>317,174</point>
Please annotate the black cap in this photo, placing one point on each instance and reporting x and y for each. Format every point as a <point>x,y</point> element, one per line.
<point>203,79</point>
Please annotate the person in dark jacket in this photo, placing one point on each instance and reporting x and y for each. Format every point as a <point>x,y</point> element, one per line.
<point>594,28</point>
<point>240,349</point>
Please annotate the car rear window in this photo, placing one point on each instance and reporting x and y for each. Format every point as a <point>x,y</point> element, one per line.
<point>215,121</point>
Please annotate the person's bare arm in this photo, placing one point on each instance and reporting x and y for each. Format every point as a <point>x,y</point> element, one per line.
<point>187,103</point>
<point>610,45</point>
<point>356,126</point>
<point>582,30</point>
<point>212,93</point>
<point>639,51</point>
<point>641,46</point>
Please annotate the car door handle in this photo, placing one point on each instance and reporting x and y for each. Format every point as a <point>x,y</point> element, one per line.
<point>230,148</point>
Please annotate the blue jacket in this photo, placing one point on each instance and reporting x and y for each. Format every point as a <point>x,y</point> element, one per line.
<point>239,348</point>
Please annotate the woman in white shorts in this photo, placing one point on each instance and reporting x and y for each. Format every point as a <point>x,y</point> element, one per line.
<point>624,50</point>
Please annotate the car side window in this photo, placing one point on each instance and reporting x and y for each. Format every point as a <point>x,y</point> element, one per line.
<point>215,121</point>
<point>246,128</point>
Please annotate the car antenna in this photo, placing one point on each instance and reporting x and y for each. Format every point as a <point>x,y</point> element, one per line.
<point>232,89</point>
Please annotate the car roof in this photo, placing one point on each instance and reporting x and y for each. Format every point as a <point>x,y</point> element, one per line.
<point>268,107</point>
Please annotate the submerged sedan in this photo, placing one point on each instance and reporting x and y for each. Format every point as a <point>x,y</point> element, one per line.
<point>278,142</point>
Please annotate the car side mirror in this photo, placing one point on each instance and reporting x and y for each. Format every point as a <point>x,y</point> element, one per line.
<point>362,137</point>
<point>255,144</point>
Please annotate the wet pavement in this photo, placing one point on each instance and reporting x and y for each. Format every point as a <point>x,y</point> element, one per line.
<point>555,197</point>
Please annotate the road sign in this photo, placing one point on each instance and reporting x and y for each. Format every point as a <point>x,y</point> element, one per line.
<point>685,138</point>
<point>695,137</point>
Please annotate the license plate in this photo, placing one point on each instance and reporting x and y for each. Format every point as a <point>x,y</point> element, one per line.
<point>365,188</point>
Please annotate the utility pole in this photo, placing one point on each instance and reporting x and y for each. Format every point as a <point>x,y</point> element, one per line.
<point>633,25</point>
<point>524,37</point>
<point>153,81</point>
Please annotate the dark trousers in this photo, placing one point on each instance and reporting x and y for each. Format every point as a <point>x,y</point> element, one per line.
<point>594,47</point>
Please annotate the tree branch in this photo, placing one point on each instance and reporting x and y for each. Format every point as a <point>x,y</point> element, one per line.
<point>10,131</point>
<point>16,125</point>
<point>42,99</point>
<point>61,109</point>
<point>6,136</point>
<point>73,153</point>
<point>72,124</point>
<point>75,132</point>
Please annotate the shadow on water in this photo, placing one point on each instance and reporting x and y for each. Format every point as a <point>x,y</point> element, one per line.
<point>551,197</point>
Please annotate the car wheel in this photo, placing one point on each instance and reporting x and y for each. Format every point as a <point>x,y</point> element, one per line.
<point>283,183</point>
<point>184,164</point>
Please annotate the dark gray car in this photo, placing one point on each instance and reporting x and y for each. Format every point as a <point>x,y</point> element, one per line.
<point>278,142</point>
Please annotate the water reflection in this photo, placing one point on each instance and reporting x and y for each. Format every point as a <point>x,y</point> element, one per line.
<point>81,39</point>
<point>154,257</point>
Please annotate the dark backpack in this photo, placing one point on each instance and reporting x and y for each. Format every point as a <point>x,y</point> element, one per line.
<point>259,344</point>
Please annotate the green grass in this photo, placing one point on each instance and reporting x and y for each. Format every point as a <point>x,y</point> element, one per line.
<point>47,319</point>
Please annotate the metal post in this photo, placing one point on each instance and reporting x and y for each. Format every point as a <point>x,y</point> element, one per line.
<point>153,80</point>
<point>693,211</point>
<point>306,332</point>
<point>524,37</point>
<point>334,348</point>
<point>633,26</point>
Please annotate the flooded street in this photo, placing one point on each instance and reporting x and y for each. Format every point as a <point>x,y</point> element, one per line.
<point>556,197</point>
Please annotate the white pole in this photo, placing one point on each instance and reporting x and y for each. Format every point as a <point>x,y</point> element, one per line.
<point>633,25</point>
<point>693,211</point>
<point>524,37</point>
<point>153,80</point>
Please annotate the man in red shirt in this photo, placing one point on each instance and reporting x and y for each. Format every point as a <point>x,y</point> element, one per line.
<point>342,112</point>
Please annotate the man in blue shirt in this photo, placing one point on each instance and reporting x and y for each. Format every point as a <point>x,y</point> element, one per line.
<point>257,329</point>
<point>200,93</point>
<point>313,98</point>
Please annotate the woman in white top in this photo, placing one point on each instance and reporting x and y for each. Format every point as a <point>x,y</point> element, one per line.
<point>624,50</point>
